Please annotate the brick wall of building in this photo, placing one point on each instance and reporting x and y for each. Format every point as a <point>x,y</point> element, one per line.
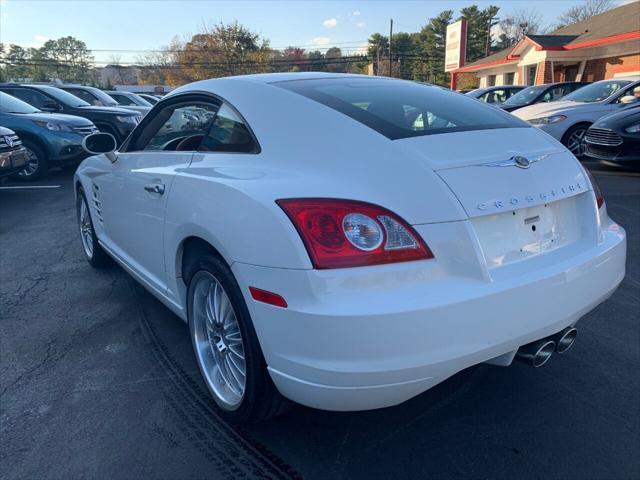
<point>604,68</point>
<point>544,73</point>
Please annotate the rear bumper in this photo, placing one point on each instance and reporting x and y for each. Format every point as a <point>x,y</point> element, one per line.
<point>356,342</point>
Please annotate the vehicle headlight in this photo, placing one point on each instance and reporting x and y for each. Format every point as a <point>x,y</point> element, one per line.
<point>547,120</point>
<point>54,126</point>
<point>127,119</point>
<point>635,128</point>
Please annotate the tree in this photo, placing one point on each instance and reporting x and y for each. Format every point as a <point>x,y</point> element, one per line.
<point>378,51</point>
<point>521,22</point>
<point>403,53</point>
<point>17,63</point>
<point>478,24</point>
<point>66,58</point>
<point>588,9</point>
<point>430,47</point>
<point>223,50</point>
<point>335,66</point>
<point>316,61</point>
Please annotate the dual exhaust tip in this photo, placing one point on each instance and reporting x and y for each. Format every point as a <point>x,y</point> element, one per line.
<point>539,352</point>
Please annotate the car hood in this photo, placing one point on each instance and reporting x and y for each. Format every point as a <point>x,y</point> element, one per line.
<point>112,110</point>
<point>6,131</point>
<point>547,109</point>
<point>71,120</point>
<point>621,116</point>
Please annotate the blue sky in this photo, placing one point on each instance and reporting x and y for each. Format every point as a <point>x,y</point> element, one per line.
<point>150,24</point>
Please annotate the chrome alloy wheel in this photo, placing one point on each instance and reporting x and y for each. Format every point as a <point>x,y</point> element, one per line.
<point>86,230</point>
<point>575,142</point>
<point>217,341</point>
<point>33,163</point>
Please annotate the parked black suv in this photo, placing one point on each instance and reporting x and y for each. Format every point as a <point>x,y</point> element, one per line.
<point>117,121</point>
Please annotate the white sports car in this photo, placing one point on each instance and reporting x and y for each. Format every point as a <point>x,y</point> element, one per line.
<point>348,242</point>
<point>568,120</point>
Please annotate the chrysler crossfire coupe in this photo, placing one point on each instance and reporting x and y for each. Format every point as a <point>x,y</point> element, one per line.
<point>348,242</point>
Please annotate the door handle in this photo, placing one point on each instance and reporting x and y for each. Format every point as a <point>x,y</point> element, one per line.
<point>155,188</point>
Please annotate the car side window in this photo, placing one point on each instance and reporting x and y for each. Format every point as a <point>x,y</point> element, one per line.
<point>228,133</point>
<point>32,97</point>
<point>177,127</point>
<point>629,92</point>
<point>122,99</point>
<point>86,96</point>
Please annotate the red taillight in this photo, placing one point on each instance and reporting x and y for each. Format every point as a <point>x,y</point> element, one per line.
<point>596,189</point>
<point>348,233</point>
<point>267,297</point>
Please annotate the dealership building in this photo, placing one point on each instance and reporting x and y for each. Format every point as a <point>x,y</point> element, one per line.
<point>604,46</point>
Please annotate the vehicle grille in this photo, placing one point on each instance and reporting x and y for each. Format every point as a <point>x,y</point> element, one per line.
<point>603,136</point>
<point>10,139</point>
<point>602,153</point>
<point>87,130</point>
<point>138,119</point>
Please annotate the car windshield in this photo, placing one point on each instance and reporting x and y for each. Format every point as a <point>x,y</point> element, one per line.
<point>525,96</point>
<point>476,93</point>
<point>63,97</point>
<point>401,109</point>
<point>9,104</point>
<point>597,91</point>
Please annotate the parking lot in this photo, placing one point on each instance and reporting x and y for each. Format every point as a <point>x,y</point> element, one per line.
<point>98,379</point>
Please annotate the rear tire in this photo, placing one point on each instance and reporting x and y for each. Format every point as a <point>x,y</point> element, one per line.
<point>212,291</point>
<point>37,163</point>
<point>93,252</point>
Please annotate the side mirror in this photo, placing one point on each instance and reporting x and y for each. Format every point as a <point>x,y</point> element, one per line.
<point>627,99</point>
<point>50,106</point>
<point>100,143</point>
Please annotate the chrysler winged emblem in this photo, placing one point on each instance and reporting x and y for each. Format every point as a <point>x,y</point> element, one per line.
<point>9,141</point>
<point>516,161</point>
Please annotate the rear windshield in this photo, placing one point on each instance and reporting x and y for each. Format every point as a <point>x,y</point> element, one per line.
<point>402,109</point>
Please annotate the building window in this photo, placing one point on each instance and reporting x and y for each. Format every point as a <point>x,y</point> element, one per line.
<point>509,78</point>
<point>491,80</point>
<point>531,74</point>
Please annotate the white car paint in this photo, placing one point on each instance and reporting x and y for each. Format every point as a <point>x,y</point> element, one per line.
<point>374,336</point>
<point>576,113</point>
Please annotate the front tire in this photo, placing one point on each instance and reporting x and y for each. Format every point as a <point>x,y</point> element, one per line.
<point>93,252</point>
<point>37,163</point>
<point>226,345</point>
<point>574,139</point>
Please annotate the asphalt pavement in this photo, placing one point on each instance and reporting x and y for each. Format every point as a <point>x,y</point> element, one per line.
<point>98,380</point>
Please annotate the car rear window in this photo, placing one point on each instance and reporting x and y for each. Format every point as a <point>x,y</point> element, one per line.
<point>402,109</point>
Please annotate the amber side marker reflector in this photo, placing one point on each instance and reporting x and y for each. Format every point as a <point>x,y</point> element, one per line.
<point>267,297</point>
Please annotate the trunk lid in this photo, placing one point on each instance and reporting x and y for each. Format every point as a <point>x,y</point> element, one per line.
<point>481,170</point>
<point>523,192</point>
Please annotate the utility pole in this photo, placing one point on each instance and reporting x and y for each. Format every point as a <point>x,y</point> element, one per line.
<point>390,40</point>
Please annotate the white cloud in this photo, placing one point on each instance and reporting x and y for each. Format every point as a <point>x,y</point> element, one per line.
<point>361,24</point>
<point>320,41</point>
<point>356,13</point>
<point>38,41</point>
<point>330,22</point>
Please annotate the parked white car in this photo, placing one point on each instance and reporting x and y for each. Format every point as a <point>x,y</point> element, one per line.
<point>349,242</point>
<point>130,101</point>
<point>569,119</point>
